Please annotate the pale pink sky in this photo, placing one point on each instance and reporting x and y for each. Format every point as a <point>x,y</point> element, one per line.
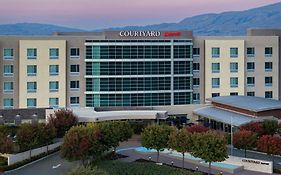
<point>93,14</point>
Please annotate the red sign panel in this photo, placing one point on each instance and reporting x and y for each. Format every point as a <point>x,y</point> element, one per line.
<point>168,34</point>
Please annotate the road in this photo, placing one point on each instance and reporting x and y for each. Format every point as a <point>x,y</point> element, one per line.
<point>52,165</point>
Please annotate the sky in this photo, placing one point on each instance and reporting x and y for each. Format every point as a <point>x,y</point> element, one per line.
<point>96,14</point>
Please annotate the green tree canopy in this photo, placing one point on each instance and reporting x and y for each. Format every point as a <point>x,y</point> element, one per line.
<point>209,147</point>
<point>270,126</point>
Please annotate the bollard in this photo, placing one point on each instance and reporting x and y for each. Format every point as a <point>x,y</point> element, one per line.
<point>149,158</point>
<point>172,163</point>
<point>196,168</point>
<point>221,173</point>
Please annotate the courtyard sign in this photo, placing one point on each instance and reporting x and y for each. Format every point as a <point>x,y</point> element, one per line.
<point>139,33</point>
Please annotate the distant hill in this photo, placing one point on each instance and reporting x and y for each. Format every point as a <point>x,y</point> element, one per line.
<point>33,29</point>
<point>227,23</point>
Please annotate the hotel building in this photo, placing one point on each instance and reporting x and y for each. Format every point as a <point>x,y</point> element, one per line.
<point>136,68</point>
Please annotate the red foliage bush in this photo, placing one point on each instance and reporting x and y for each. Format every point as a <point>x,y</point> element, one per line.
<point>269,144</point>
<point>254,127</point>
<point>197,129</point>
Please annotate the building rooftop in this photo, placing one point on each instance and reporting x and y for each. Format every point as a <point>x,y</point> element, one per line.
<point>224,116</point>
<point>256,104</point>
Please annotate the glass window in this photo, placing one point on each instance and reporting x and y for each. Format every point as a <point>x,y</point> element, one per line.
<point>215,82</point>
<point>54,53</point>
<point>53,69</point>
<point>250,81</point>
<point>8,70</point>
<point>196,81</point>
<point>233,81</point>
<point>31,86</point>
<point>268,94</point>
<point>53,86</point>
<point>74,52</point>
<point>215,94</point>
<point>233,52</point>
<point>196,51</point>
<point>268,66</point>
<point>215,52</point>
<point>233,94</point>
<point>8,103</point>
<point>215,67</point>
<point>8,87</point>
<point>54,102</point>
<point>74,101</point>
<point>196,67</point>
<point>31,70</point>
<point>268,81</point>
<point>74,85</point>
<point>233,67</point>
<point>251,67</point>
<point>74,69</point>
<point>250,52</point>
<point>8,53</point>
<point>268,52</point>
<point>250,93</point>
<point>31,103</point>
<point>196,97</point>
<point>31,53</point>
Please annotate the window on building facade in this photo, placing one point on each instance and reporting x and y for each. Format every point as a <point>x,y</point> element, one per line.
<point>196,51</point>
<point>250,67</point>
<point>74,85</point>
<point>74,69</point>
<point>32,86</point>
<point>53,86</point>
<point>53,102</point>
<point>31,103</point>
<point>8,87</point>
<point>215,94</point>
<point>233,67</point>
<point>233,94</point>
<point>268,66</point>
<point>8,53</point>
<point>196,97</point>
<point>250,52</point>
<point>31,53</point>
<point>196,81</point>
<point>215,52</point>
<point>8,103</point>
<point>8,70</point>
<point>233,52</point>
<point>250,81</point>
<point>53,70</point>
<point>215,67</point>
<point>74,101</point>
<point>54,53</point>
<point>215,82</point>
<point>268,81</point>
<point>233,81</point>
<point>31,70</point>
<point>250,93</point>
<point>74,53</point>
<point>196,67</point>
<point>268,94</point>
<point>268,52</point>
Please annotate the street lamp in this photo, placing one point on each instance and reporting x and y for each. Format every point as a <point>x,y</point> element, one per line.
<point>34,118</point>
<point>18,119</point>
<point>1,120</point>
<point>231,135</point>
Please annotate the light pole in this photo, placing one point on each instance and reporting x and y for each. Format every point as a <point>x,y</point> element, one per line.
<point>231,132</point>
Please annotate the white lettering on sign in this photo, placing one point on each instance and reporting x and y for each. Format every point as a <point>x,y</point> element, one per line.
<point>139,33</point>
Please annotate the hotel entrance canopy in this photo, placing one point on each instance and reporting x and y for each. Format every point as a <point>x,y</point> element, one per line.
<point>224,116</point>
<point>90,115</point>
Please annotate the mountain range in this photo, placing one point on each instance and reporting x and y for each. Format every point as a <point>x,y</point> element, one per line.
<point>226,23</point>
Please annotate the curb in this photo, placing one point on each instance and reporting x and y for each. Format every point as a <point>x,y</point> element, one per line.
<point>257,152</point>
<point>30,163</point>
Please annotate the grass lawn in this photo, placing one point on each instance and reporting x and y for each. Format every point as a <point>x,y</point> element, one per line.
<point>116,167</point>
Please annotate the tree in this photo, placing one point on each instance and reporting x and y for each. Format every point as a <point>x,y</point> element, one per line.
<point>197,129</point>
<point>62,120</point>
<point>76,144</point>
<point>270,144</point>
<point>180,140</point>
<point>209,147</point>
<point>6,144</point>
<point>254,127</point>
<point>156,137</point>
<point>47,134</point>
<point>270,127</point>
<point>244,140</point>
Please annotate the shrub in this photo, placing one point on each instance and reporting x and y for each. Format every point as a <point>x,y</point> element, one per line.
<point>269,144</point>
<point>254,127</point>
<point>6,144</point>
<point>87,171</point>
<point>62,120</point>
<point>197,129</point>
<point>244,140</point>
<point>270,127</point>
